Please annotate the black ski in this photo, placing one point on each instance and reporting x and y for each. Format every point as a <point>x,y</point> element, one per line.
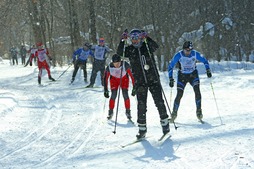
<point>28,61</point>
<point>133,142</point>
<point>84,88</point>
<point>164,136</point>
<point>132,122</point>
<point>201,121</point>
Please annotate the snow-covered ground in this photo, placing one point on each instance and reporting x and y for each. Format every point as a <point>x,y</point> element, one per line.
<point>59,126</point>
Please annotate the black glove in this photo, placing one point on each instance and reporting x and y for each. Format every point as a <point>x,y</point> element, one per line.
<point>31,64</point>
<point>208,72</point>
<point>171,82</point>
<point>124,35</point>
<point>133,92</point>
<point>143,34</point>
<point>106,93</point>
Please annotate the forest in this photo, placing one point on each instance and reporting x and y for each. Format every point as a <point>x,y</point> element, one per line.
<point>219,29</point>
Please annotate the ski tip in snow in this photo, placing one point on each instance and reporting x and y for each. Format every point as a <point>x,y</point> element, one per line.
<point>130,121</point>
<point>164,136</point>
<point>133,142</point>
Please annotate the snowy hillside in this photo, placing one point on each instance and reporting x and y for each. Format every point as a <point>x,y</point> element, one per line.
<point>59,126</point>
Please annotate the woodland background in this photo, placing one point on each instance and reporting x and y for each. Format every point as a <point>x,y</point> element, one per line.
<point>220,29</point>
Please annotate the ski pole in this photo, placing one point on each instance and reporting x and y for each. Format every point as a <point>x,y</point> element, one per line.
<point>119,90</point>
<point>63,72</point>
<point>104,106</point>
<point>157,75</point>
<point>118,98</point>
<point>215,101</point>
<point>170,95</point>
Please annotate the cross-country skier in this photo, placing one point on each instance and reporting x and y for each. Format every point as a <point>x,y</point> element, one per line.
<point>187,72</point>
<point>42,56</point>
<point>118,72</point>
<point>99,60</point>
<point>79,60</point>
<point>140,53</point>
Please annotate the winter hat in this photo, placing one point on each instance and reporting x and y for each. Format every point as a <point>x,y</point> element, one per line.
<point>87,44</point>
<point>116,58</point>
<point>38,44</point>
<point>188,45</point>
<point>135,36</point>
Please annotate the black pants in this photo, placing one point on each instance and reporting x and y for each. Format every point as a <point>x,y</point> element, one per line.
<point>194,81</point>
<point>142,93</point>
<point>15,59</point>
<point>98,65</point>
<point>23,60</point>
<point>79,64</point>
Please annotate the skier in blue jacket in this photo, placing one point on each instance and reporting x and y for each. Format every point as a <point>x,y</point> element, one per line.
<point>187,72</point>
<point>79,60</point>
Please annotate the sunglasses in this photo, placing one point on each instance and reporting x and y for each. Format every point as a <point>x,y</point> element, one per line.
<point>134,36</point>
<point>101,41</point>
<point>188,50</point>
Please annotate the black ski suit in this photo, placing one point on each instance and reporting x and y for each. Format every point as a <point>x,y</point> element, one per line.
<point>146,77</point>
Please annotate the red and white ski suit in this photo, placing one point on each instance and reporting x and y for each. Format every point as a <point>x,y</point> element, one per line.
<point>114,75</point>
<point>42,56</point>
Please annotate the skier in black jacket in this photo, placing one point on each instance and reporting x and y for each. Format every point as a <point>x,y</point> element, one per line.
<point>140,54</point>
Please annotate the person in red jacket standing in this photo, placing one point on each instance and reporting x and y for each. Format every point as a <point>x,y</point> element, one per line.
<point>118,72</point>
<point>42,56</point>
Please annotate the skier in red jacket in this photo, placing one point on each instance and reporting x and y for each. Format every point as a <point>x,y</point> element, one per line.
<point>42,55</point>
<point>118,72</point>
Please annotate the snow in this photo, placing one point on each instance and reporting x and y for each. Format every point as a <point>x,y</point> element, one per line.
<point>58,126</point>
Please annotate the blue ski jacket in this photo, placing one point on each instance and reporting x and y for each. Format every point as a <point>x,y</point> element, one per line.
<point>81,54</point>
<point>187,63</point>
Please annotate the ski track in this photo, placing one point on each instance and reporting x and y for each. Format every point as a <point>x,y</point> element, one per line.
<point>33,137</point>
<point>77,143</point>
<point>57,144</point>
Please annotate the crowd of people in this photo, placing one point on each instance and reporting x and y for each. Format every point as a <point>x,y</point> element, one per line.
<point>134,59</point>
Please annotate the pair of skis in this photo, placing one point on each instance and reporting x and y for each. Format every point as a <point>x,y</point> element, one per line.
<point>48,83</point>
<point>160,140</point>
<point>199,120</point>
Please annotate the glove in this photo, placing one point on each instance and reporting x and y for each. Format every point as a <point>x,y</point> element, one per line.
<point>208,72</point>
<point>31,64</point>
<point>171,82</point>
<point>124,35</point>
<point>106,93</point>
<point>133,92</point>
<point>143,34</point>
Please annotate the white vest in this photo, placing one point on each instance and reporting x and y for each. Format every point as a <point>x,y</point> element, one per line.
<point>116,72</point>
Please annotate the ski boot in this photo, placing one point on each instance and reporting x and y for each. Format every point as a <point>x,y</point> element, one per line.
<point>142,131</point>
<point>128,114</point>
<point>173,116</point>
<point>89,86</point>
<point>72,80</point>
<point>165,126</point>
<point>39,80</point>
<point>110,114</point>
<point>51,78</point>
<point>199,114</point>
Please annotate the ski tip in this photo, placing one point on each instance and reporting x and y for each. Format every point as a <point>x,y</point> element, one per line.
<point>165,136</point>
<point>130,121</point>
